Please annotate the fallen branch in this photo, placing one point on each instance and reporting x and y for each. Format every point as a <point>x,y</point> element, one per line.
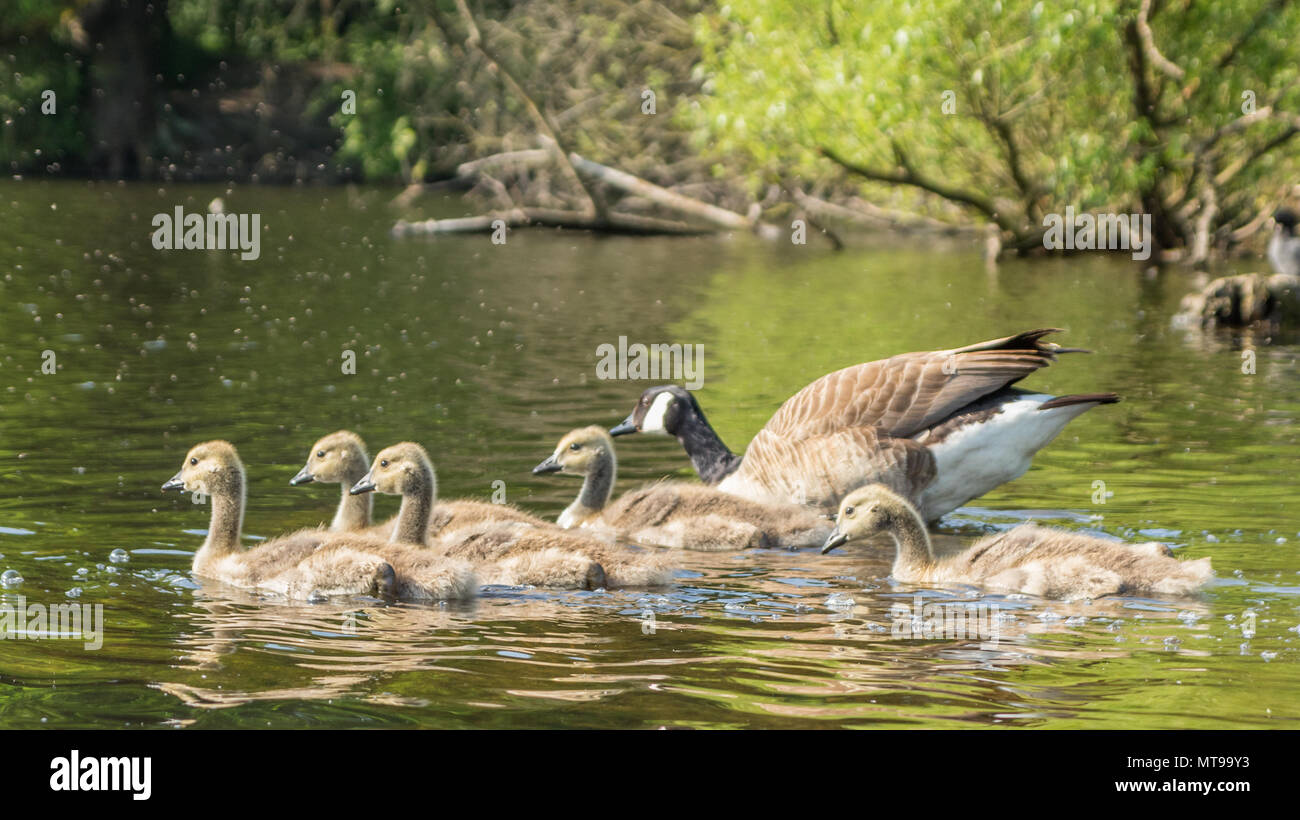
<point>703,211</point>
<point>546,217</point>
<point>474,41</point>
<point>866,214</point>
<point>509,160</point>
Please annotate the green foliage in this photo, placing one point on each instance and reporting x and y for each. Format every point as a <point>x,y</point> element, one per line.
<point>32,65</point>
<point>1046,108</point>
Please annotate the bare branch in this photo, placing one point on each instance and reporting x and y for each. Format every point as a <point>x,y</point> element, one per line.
<point>1149,44</point>
<point>909,176</point>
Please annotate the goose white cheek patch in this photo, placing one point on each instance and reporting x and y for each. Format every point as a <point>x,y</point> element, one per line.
<point>654,417</point>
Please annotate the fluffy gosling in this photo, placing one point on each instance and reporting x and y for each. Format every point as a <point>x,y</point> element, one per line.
<point>672,513</point>
<point>1036,560</point>
<point>308,563</point>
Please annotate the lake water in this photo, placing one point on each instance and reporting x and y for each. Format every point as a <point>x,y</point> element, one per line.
<point>487,354</point>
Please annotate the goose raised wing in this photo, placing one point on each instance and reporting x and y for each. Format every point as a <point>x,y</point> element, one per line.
<point>938,427</point>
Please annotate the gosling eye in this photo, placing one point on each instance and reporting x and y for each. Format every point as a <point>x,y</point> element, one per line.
<point>848,512</point>
<point>575,446</point>
<point>194,460</point>
<point>320,454</point>
<point>383,463</point>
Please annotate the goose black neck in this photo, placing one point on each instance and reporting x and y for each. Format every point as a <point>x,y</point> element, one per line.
<point>709,456</point>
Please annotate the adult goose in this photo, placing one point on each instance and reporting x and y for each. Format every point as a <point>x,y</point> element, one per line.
<point>1049,563</point>
<point>1284,245</point>
<point>939,428</point>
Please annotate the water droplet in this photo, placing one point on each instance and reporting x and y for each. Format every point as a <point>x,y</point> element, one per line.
<point>119,556</point>
<point>10,578</point>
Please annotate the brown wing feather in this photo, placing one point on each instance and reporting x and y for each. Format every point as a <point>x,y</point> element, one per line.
<point>905,394</point>
<point>819,470</point>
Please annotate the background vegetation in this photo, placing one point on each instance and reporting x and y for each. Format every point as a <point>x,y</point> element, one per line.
<point>904,114</point>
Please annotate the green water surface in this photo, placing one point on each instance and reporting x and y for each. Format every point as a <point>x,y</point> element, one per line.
<point>487,354</point>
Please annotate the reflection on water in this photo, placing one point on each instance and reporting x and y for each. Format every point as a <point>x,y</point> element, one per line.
<point>486,354</point>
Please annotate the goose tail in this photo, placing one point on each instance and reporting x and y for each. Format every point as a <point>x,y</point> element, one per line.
<point>1080,398</point>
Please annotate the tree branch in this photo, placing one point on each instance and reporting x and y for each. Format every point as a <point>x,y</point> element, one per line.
<point>1148,40</point>
<point>474,41</point>
<point>909,176</point>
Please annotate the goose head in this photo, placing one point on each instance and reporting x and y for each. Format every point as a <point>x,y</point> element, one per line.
<point>212,468</point>
<point>660,410</point>
<point>579,452</point>
<point>867,511</point>
<point>403,469</point>
<point>333,460</point>
<point>1286,220</point>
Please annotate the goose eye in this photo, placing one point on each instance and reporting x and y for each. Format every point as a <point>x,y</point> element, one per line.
<point>383,463</point>
<point>194,460</point>
<point>320,454</point>
<point>848,512</point>
<point>575,446</point>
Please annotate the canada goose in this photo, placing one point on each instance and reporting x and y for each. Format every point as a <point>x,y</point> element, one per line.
<point>307,563</point>
<point>340,458</point>
<point>939,428</point>
<point>1284,246</point>
<point>509,553</point>
<point>673,513</point>
<point>1040,561</point>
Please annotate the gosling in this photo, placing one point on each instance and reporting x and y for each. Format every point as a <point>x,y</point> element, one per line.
<point>308,563</point>
<point>1040,561</point>
<point>340,458</point>
<point>507,553</point>
<point>672,513</point>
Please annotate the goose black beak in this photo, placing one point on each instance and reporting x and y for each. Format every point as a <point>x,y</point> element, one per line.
<point>174,483</point>
<point>304,477</point>
<point>365,485</point>
<point>834,540</point>
<point>628,425</point>
<point>550,465</point>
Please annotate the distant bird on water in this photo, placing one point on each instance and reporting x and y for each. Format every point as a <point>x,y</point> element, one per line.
<point>1284,247</point>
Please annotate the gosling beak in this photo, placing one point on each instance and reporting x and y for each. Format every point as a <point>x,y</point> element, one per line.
<point>174,483</point>
<point>550,465</point>
<point>834,540</point>
<point>304,477</point>
<point>365,485</point>
<point>628,425</point>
